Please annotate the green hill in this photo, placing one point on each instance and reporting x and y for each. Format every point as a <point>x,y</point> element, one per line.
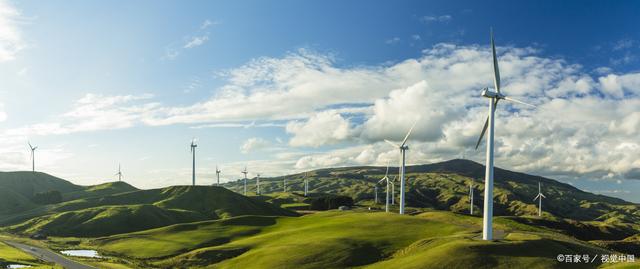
<point>144,209</point>
<point>29,183</point>
<point>445,186</point>
<point>104,189</point>
<point>107,220</point>
<point>337,239</point>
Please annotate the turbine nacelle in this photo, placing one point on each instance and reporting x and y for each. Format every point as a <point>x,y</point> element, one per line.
<point>491,94</point>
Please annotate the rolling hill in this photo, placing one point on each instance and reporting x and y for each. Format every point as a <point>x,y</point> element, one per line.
<point>143,209</point>
<point>335,239</point>
<point>445,186</point>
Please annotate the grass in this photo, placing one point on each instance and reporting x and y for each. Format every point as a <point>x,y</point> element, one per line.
<point>180,238</point>
<point>322,240</point>
<point>145,209</point>
<point>336,239</point>
<point>11,255</point>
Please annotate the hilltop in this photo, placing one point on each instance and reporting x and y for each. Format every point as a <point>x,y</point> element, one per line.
<point>445,186</point>
<point>144,209</point>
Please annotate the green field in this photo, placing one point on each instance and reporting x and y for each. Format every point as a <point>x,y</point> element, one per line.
<point>337,239</point>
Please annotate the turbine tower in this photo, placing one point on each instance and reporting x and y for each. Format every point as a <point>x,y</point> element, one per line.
<point>33,156</point>
<point>245,180</point>
<point>258,184</point>
<point>375,193</point>
<point>284,184</point>
<point>471,197</point>
<point>119,174</point>
<point>218,174</point>
<point>386,178</point>
<point>403,149</point>
<point>393,190</point>
<point>306,185</point>
<point>494,97</point>
<point>193,170</point>
<point>539,198</point>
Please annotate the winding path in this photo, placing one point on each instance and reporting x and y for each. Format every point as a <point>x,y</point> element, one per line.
<point>49,256</point>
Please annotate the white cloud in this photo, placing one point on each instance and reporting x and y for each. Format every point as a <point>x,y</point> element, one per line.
<point>442,18</point>
<point>584,125</point>
<point>392,40</point>
<point>327,127</point>
<point>253,144</point>
<point>623,44</point>
<point>196,41</point>
<point>11,41</point>
<point>93,112</point>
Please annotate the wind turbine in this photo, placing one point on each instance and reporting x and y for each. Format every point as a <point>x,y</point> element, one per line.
<point>284,184</point>
<point>386,177</point>
<point>393,190</point>
<point>258,184</point>
<point>306,185</point>
<point>193,170</point>
<point>119,174</point>
<point>494,97</point>
<point>375,193</point>
<point>245,180</point>
<point>33,156</point>
<point>218,174</point>
<point>539,198</point>
<point>403,149</point>
<point>471,197</point>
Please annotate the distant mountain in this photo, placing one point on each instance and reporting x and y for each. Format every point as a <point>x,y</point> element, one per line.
<point>143,209</point>
<point>445,186</point>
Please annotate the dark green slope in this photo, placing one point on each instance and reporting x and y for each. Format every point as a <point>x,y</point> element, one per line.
<point>445,186</point>
<point>106,220</point>
<point>29,183</point>
<point>104,189</point>
<point>144,209</point>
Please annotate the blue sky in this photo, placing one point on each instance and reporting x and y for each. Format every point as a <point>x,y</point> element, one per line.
<point>287,86</point>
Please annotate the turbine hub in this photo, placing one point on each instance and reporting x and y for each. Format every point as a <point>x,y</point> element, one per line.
<point>491,94</point>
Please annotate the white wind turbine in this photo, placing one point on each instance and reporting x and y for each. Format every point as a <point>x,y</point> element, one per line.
<point>245,180</point>
<point>375,193</point>
<point>119,174</point>
<point>539,198</point>
<point>258,184</point>
<point>403,149</point>
<point>494,97</point>
<point>33,156</point>
<point>306,185</point>
<point>218,174</point>
<point>284,184</point>
<point>193,170</point>
<point>386,178</point>
<point>471,197</point>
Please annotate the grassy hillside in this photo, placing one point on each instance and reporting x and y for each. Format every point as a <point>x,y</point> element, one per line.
<point>445,186</point>
<point>144,209</point>
<point>104,189</point>
<point>337,239</point>
<point>107,220</point>
<point>29,183</point>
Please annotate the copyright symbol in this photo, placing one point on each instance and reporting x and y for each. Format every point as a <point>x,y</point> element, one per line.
<point>560,257</point>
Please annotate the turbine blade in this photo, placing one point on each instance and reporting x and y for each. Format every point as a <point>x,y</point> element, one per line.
<point>387,173</point>
<point>391,143</point>
<point>537,196</point>
<point>486,124</point>
<point>496,71</point>
<point>545,197</point>
<point>484,129</point>
<point>382,180</point>
<point>517,101</point>
<point>404,141</point>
